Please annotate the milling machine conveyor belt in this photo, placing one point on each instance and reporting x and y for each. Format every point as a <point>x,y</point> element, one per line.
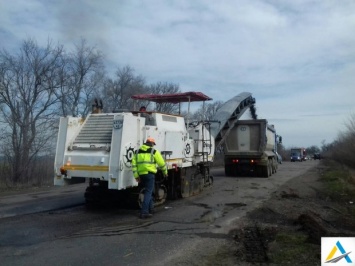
<point>228,114</point>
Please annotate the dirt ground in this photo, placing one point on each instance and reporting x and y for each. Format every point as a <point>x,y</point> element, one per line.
<point>287,229</point>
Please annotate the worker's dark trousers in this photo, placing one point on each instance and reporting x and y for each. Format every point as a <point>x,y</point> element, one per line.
<point>148,183</point>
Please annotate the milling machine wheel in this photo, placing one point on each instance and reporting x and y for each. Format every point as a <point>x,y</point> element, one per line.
<point>160,196</point>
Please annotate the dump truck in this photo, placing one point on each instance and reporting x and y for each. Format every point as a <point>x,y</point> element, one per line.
<point>250,149</point>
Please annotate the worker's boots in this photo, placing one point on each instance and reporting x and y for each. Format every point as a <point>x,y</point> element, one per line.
<point>145,215</point>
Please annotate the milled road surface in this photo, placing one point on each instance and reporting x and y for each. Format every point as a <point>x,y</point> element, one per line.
<point>40,200</point>
<point>41,229</point>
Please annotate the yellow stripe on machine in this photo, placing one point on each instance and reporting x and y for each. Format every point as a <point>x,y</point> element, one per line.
<point>103,168</point>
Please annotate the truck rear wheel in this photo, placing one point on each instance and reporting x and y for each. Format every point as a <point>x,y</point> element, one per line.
<point>266,171</point>
<point>274,165</point>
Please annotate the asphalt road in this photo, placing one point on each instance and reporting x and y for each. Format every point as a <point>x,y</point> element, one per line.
<point>55,228</point>
<point>52,198</point>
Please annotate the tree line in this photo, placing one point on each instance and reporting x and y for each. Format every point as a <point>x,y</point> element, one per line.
<point>39,84</point>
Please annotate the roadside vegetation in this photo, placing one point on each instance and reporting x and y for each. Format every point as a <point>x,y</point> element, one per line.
<point>287,229</point>
<point>339,181</point>
<point>339,192</point>
<point>342,150</point>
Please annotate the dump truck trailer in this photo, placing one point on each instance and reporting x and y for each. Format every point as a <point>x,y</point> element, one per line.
<point>250,149</point>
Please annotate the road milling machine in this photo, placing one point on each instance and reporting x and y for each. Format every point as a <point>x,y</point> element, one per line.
<point>99,150</point>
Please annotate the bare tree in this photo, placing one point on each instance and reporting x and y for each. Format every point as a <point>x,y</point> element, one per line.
<point>117,92</point>
<point>165,88</point>
<point>207,111</point>
<point>28,82</point>
<point>81,78</point>
<point>350,125</point>
<point>342,150</point>
<point>313,149</point>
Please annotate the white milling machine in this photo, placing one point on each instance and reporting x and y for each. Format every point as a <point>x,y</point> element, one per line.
<point>100,148</point>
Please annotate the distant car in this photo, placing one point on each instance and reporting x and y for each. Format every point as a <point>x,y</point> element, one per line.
<point>316,156</point>
<point>296,158</point>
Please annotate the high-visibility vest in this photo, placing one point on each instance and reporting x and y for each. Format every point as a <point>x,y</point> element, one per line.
<point>145,161</point>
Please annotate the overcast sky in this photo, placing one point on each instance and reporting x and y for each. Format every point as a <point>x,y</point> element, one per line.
<point>296,57</point>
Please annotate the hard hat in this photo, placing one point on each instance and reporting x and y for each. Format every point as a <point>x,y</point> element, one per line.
<point>151,140</point>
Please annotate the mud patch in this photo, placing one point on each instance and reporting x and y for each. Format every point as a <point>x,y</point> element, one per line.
<point>289,194</point>
<point>269,216</point>
<point>235,205</point>
<point>253,243</point>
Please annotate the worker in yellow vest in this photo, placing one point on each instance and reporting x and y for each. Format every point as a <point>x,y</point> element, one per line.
<point>144,167</point>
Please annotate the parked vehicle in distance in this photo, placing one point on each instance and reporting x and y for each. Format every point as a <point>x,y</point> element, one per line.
<point>316,156</point>
<point>298,154</point>
<point>296,157</point>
